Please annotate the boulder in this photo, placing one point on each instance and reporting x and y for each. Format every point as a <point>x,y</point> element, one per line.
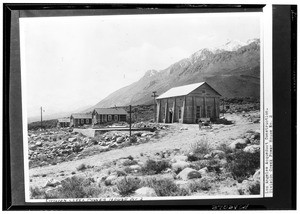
<point>145,192</point>
<point>52,183</point>
<point>256,176</point>
<point>110,179</point>
<point>179,158</point>
<point>72,139</point>
<point>53,192</point>
<point>217,152</point>
<point>207,156</point>
<point>135,167</point>
<point>188,173</point>
<point>239,143</point>
<point>39,143</point>
<point>252,149</point>
<point>180,165</point>
<point>120,139</point>
<point>203,171</point>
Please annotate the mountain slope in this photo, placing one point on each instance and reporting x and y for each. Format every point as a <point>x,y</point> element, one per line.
<point>233,70</point>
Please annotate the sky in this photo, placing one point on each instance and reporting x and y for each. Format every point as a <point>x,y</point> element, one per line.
<point>71,62</point>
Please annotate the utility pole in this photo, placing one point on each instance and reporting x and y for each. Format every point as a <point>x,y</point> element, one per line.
<point>41,117</point>
<point>129,120</point>
<point>154,96</point>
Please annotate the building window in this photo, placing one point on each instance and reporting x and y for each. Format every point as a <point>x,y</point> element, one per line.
<point>179,113</point>
<point>203,91</point>
<point>82,121</point>
<point>109,117</point>
<point>116,118</point>
<point>87,121</point>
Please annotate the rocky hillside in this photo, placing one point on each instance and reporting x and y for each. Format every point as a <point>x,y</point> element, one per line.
<point>232,69</point>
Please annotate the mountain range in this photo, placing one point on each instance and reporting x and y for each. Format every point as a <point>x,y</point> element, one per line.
<point>233,69</point>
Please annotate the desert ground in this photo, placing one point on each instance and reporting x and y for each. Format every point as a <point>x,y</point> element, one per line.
<point>175,160</point>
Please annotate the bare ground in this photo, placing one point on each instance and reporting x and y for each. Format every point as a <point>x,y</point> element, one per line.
<point>178,136</point>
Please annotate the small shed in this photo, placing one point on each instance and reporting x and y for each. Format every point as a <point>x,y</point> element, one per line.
<point>80,119</point>
<point>188,104</point>
<point>63,122</point>
<point>104,115</point>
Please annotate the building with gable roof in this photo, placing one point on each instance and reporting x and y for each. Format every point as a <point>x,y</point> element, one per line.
<point>104,115</point>
<point>188,104</point>
<point>80,119</point>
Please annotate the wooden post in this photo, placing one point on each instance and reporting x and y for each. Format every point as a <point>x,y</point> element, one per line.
<point>183,109</point>
<point>204,102</point>
<point>158,111</point>
<point>129,120</point>
<point>173,114</point>
<point>166,111</point>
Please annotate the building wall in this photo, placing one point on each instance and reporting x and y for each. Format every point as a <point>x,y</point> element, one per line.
<point>103,118</point>
<point>201,103</point>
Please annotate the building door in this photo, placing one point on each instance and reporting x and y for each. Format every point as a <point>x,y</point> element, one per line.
<point>170,116</point>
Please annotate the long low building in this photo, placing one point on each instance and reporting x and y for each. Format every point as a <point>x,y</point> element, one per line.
<point>80,119</point>
<point>63,122</point>
<point>188,104</point>
<point>104,115</point>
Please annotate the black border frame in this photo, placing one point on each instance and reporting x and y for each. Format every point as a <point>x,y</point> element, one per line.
<point>284,108</point>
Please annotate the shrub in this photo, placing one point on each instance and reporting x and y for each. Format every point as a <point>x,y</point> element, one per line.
<point>128,170</point>
<point>128,185</point>
<point>224,147</point>
<point>121,173</point>
<point>165,187</point>
<point>129,162</point>
<point>255,189</point>
<point>155,167</point>
<point>202,184</point>
<point>37,193</point>
<point>214,166</point>
<point>201,148</point>
<point>242,164</point>
<point>223,121</point>
<point>76,187</point>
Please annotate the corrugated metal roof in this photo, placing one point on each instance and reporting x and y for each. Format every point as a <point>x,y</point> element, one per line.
<point>110,111</point>
<point>82,116</point>
<point>180,91</point>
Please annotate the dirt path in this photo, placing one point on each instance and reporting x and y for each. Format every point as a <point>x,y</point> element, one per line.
<point>179,136</point>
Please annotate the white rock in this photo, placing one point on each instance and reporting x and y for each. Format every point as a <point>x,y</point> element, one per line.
<point>239,143</point>
<point>252,149</point>
<point>72,139</point>
<point>135,167</point>
<point>203,171</point>
<point>256,175</point>
<point>180,165</point>
<point>179,158</point>
<point>188,173</point>
<point>52,183</point>
<point>145,192</point>
<point>110,179</point>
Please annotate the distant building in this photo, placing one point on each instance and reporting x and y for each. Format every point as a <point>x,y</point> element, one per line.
<point>80,119</point>
<point>188,104</point>
<point>63,122</point>
<point>104,115</point>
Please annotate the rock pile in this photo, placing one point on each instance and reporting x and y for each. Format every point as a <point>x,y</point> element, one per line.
<point>55,146</point>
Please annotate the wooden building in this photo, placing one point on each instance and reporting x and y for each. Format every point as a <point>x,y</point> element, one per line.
<point>63,122</point>
<point>188,103</point>
<point>104,115</point>
<point>80,119</point>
